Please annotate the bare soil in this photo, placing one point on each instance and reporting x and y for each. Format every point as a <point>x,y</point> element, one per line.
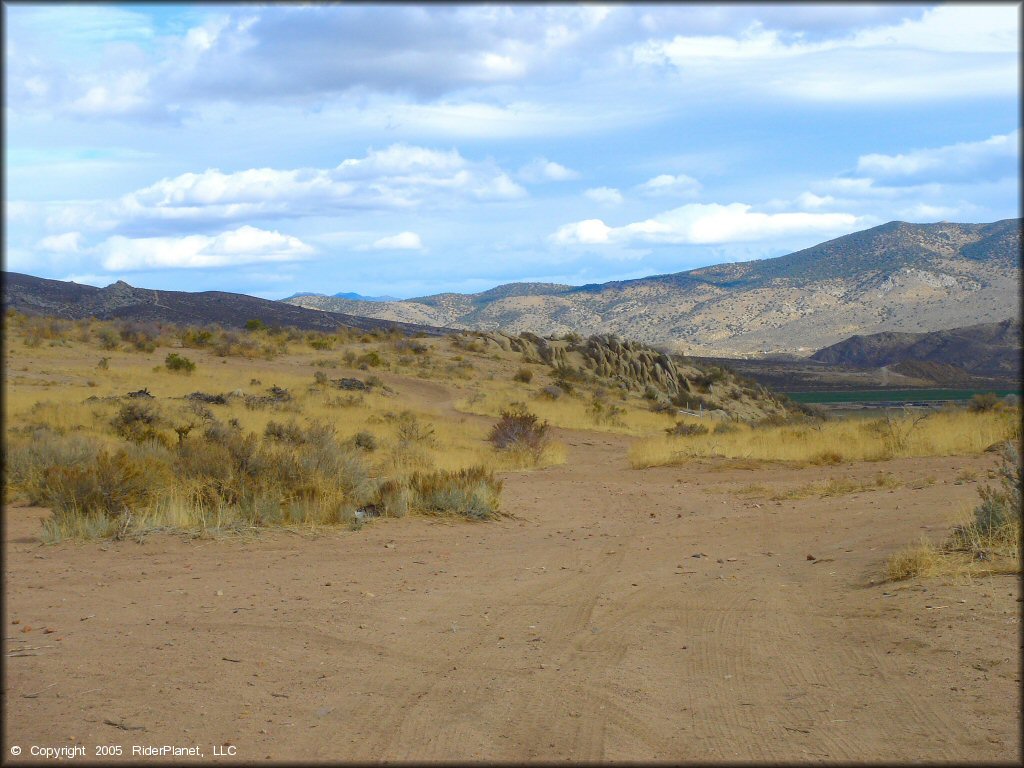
<point>584,628</point>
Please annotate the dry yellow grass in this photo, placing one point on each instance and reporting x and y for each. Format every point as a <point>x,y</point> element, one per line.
<point>66,383</point>
<point>568,411</point>
<point>834,486</point>
<point>946,433</point>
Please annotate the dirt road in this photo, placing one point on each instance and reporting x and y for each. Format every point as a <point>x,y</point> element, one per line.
<point>584,628</point>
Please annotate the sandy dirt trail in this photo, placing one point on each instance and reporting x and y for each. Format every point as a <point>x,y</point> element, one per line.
<point>582,629</point>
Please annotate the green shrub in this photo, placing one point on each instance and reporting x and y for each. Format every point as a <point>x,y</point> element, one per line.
<point>371,359</point>
<point>196,337</point>
<point>178,363</point>
<point>255,324</point>
<point>1000,506</point>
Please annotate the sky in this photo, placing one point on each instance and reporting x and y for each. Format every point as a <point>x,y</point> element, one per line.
<point>407,150</point>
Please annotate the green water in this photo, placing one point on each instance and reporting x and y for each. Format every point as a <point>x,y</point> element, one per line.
<point>893,395</point>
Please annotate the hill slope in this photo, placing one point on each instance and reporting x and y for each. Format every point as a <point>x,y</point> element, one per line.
<point>39,296</point>
<point>988,349</point>
<point>894,277</point>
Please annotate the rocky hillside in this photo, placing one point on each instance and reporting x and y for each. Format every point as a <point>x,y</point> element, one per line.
<point>988,349</point>
<point>909,278</point>
<point>670,382</point>
<point>39,296</point>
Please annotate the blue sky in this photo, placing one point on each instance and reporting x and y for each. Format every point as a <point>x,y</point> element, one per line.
<point>414,149</point>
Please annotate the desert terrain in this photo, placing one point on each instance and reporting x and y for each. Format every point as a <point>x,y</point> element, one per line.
<point>712,609</point>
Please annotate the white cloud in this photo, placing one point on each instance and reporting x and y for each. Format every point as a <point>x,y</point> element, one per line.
<point>605,195</point>
<point>400,176</point>
<point>123,94</point>
<point>667,185</point>
<point>998,156</point>
<point>69,242</point>
<point>245,245</point>
<point>950,51</point>
<point>812,201</point>
<point>403,241</point>
<point>543,169</point>
<point>706,224</point>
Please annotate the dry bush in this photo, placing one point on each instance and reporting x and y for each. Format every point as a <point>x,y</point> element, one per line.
<point>603,412</point>
<point>686,429</point>
<point>922,560</point>
<point>29,454</point>
<point>108,338</point>
<point>111,485</point>
<point>138,422</point>
<point>826,457</point>
<point>523,375</point>
<point>518,429</point>
<point>471,493</point>
<point>550,392</point>
<point>988,542</point>
<point>983,402</point>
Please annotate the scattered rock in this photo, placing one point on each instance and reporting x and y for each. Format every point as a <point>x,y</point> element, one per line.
<point>206,397</point>
<point>811,557</point>
<point>352,384</point>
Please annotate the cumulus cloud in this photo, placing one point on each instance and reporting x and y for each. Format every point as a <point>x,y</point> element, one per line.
<point>397,177</point>
<point>245,245</point>
<point>403,241</point>
<point>667,185</point>
<point>705,224</point>
<point>541,170</point>
<point>604,195</point>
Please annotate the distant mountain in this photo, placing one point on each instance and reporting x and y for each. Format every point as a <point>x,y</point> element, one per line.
<point>909,278</point>
<point>39,296</point>
<point>988,349</point>
<point>349,296</point>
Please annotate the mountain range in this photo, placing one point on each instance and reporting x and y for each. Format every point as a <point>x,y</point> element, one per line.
<point>57,298</point>
<point>351,296</point>
<point>897,277</point>
<point>987,349</point>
